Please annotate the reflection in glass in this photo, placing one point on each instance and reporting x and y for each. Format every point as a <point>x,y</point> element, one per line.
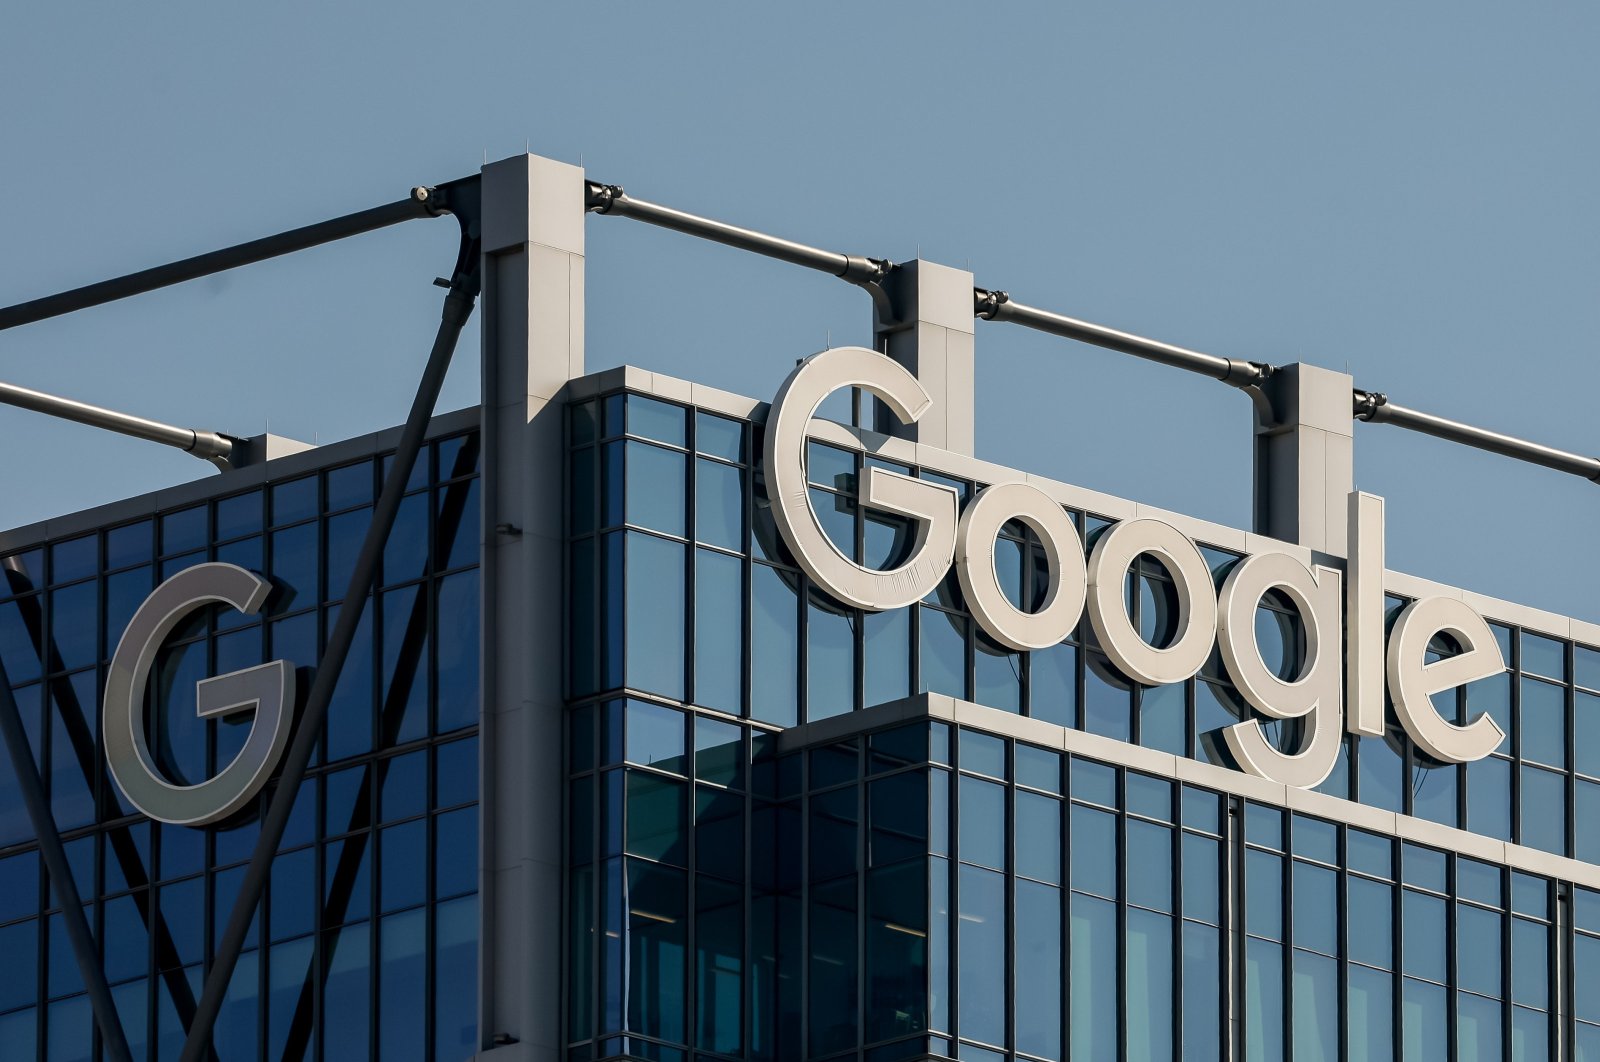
<point>654,615</point>
<point>944,652</point>
<point>455,970</point>
<point>1037,1005</point>
<point>1263,1001</point>
<point>1107,700</point>
<point>887,648</point>
<point>1149,985</point>
<point>830,662</point>
<point>981,973</point>
<point>774,664</point>
<point>1093,979</point>
<point>1316,1007</point>
<point>1053,685</point>
<point>719,504</point>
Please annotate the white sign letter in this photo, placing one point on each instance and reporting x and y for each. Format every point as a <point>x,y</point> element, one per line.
<point>931,506</point>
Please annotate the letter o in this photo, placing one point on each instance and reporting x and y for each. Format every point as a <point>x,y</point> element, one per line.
<point>1113,554</point>
<point>975,541</point>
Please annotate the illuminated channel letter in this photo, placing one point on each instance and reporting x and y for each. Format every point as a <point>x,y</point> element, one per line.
<point>1108,611</point>
<point>268,689</point>
<point>932,507</point>
<point>1063,551</point>
<point>1413,681</point>
<point>1313,695</point>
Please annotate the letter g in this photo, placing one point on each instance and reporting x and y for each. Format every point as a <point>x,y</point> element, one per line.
<point>268,688</point>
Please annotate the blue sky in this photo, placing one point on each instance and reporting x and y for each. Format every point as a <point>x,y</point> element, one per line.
<point>1403,191</point>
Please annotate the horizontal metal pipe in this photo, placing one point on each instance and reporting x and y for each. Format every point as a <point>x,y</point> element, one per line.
<point>203,444</point>
<point>997,306</point>
<point>416,205</point>
<point>1377,409</point>
<point>610,199</point>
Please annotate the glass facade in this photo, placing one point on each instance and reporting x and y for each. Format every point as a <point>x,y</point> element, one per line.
<point>366,942</point>
<point>931,889</point>
<point>755,866</point>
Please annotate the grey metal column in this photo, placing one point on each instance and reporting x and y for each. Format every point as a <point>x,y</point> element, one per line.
<point>1304,459</point>
<point>932,335</point>
<point>533,211</point>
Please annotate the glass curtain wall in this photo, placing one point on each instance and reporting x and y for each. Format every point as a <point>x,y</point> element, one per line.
<point>366,943</point>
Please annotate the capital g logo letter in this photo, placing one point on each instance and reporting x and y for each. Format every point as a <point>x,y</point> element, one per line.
<point>268,689</point>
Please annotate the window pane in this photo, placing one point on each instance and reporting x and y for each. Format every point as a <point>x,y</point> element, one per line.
<point>1425,1020</point>
<point>1163,719</point>
<point>1202,993</point>
<point>1038,836</point>
<point>1371,908</point>
<point>1093,979</point>
<point>887,646</point>
<point>1544,723</point>
<point>655,613</point>
<point>1107,700</point>
<point>1263,1002</point>
<point>402,980</point>
<point>1530,963</point>
<point>983,823</point>
<point>1316,1007</point>
<point>1316,908</point>
<point>997,676</point>
<point>655,737</point>
<point>1038,943</point>
<point>774,666</point>
<point>1053,685</point>
<point>830,662</point>
<point>1094,851</point>
<point>657,494</point>
<point>944,653</point>
<point>719,436</point>
<point>1489,798</point>
<point>1371,1024</point>
<point>455,979</point>
<point>1149,865</point>
<point>1149,985</point>
<point>1544,810</point>
<point>982,947</point>
<point>719,504</point>
<point>1586,717</point>
<point>655,419</point>
<point>1423,933</point>
<point>1478,1029</point>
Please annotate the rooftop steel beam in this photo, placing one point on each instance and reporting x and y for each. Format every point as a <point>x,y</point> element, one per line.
<point>419,204</point>
<point>1375,408</point>
<point>997,306</point>
<point>610,199</point>
<point>206,445</point>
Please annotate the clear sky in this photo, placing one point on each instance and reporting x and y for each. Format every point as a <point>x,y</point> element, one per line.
<point>1404,190</point>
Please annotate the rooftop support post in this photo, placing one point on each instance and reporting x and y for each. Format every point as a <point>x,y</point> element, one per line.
<point>1305,458</point>
<point>533,337</point>
<point>932,334</point>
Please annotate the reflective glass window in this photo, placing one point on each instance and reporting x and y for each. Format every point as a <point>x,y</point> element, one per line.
<point>719,504</point>
<point>774,664</point>
<point>1544,723</point>
<point>655,419</point>
<point>944,652</point>
<point>657,488</point>
<point>719,436</point>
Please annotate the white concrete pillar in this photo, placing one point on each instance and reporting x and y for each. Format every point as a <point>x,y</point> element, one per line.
<point>1305,458</point>
<point>533,306</point>
<point>932,335</point>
